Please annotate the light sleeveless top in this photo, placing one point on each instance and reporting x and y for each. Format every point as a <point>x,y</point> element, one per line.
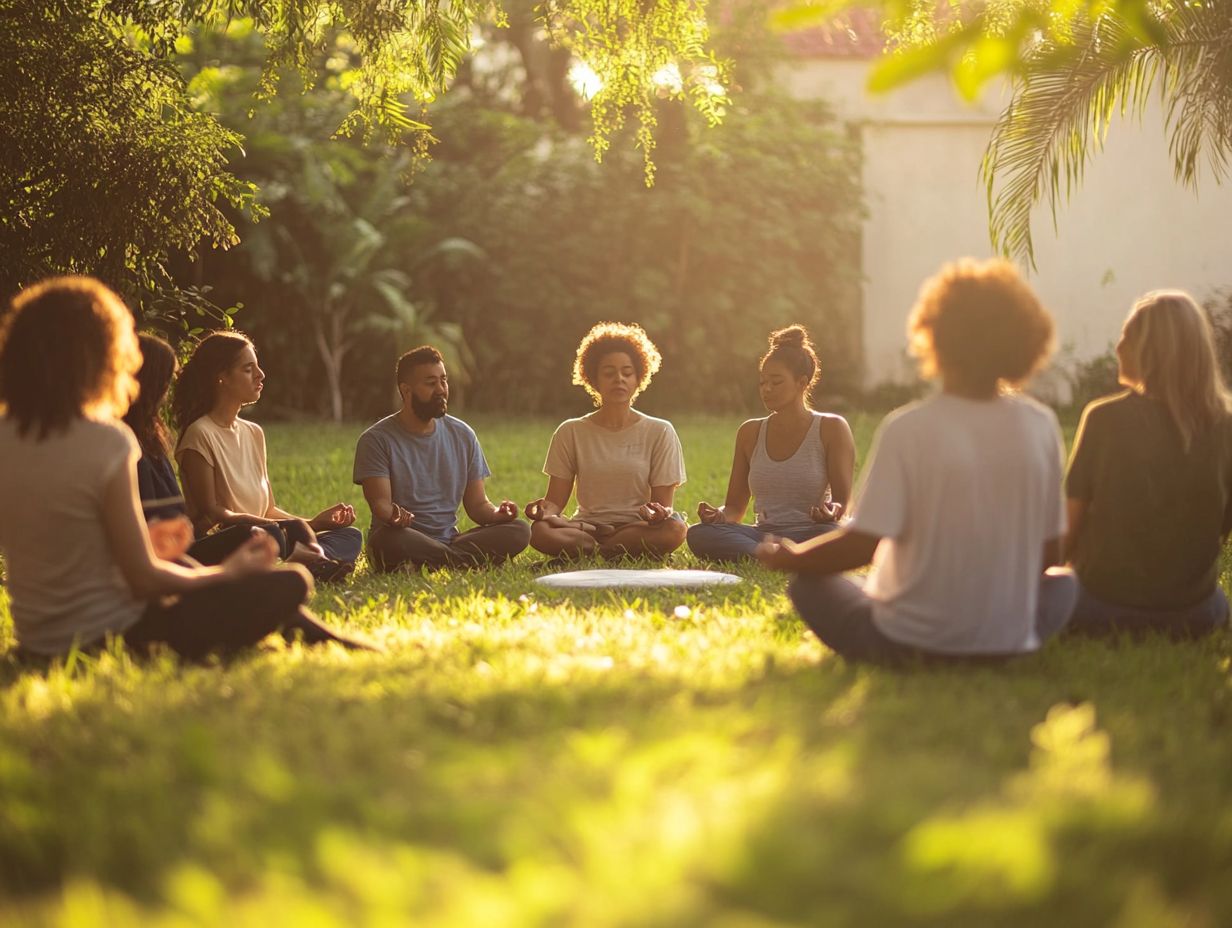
<point>785,491</point>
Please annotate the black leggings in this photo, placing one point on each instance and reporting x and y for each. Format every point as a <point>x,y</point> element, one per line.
<point>230,615</point>
<point>341,544</point>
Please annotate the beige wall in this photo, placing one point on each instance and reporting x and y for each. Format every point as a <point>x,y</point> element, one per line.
<point>1128,228</point>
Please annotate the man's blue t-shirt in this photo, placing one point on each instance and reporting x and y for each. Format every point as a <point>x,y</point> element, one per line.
<point>427,473</point>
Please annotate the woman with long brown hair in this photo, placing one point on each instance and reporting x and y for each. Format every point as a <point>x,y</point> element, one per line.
<point>223,464</point>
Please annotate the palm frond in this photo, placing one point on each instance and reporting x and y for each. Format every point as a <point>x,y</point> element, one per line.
<point>1056,121</point>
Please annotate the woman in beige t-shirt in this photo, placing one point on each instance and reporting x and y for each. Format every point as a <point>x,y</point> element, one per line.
<point>626,465</point>
<point>223,465</point>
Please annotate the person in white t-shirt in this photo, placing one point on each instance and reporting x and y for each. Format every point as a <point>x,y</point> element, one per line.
<point>626,465</point>
<point>960,511</point>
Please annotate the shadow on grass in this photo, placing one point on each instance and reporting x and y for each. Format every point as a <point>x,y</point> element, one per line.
<point>1056,787</point>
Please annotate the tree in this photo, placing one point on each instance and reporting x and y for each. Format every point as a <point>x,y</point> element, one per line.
<point>338,261</point>
<point>108,168</point>
<point>1075,66</point>
<point>1070,88</point>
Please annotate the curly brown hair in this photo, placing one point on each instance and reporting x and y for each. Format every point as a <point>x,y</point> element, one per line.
<point>607,338</point>
<point>67,350</point>
<point>980,321</point>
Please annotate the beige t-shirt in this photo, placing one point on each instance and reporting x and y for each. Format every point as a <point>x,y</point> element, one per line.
<point>63,582</point>
<point>614,471</point>
<point>237,456</point>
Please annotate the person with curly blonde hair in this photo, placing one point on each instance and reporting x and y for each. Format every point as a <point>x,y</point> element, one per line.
<point>960,511</point>
<point>626,465</point>
<point>1149,486</point>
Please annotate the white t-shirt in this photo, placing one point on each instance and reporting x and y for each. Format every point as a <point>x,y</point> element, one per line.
<point>615,470</point>
<point>237,455</point>
<point>963,493</point>
<point>63,581</point>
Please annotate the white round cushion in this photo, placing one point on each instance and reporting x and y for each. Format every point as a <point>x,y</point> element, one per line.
<point>599,579</point>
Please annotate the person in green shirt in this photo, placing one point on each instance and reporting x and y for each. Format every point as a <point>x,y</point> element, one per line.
<point>1149,485</point>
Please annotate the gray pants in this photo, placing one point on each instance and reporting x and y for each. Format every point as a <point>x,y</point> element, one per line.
<point>389,547</point>
<point>1098,618</point>
<point>840,613</point>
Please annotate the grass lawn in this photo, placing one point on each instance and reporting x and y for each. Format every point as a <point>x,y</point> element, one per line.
<point>520,756</point>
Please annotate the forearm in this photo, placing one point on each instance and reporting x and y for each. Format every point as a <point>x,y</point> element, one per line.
<point>484,513</point>
<point>383,510</point>
<point>834,553</point>
<point>164,578</point>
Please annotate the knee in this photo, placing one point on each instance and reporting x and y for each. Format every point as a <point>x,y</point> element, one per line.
<point>674,532</point>
<point>292,583</point>
<point>701,538</point>
<point>519,532</point>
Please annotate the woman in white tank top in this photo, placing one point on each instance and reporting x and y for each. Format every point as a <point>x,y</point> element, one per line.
<point>796,463</point>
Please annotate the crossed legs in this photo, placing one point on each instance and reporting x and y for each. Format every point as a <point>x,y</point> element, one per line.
<point>389,547</point>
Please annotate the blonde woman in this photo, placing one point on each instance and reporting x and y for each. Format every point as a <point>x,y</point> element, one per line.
<point>1149,488</point>
<point>625,464</point>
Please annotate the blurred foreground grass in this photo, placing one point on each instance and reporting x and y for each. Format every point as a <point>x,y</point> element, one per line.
<point>522,756</point>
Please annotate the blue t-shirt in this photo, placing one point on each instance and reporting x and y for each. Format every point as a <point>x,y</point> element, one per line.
<point>427,473</point>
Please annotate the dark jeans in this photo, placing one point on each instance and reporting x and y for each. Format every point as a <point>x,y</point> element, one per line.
<point>1099,618</point>
<point>390,547</point>
<point>840,613</point>
<point>230,615</point>
<point>727,541</point>
<point>339,544</point>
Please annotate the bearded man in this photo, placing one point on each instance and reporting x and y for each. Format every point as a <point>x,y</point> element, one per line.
<point>416,466</point>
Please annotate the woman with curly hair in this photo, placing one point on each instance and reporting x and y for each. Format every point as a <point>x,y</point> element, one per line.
<point>223,464</point>
<point>796,462</point>
<point>626,465</point>
<point>960,512</point>
<point>1149,485</point>
<point>81,566</point>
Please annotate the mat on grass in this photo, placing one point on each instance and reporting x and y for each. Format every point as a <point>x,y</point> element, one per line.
<point>612,578</point>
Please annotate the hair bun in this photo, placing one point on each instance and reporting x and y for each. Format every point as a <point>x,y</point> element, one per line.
<point>794,336</point>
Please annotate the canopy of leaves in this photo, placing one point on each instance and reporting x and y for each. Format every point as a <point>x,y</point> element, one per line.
<point>105,168</point>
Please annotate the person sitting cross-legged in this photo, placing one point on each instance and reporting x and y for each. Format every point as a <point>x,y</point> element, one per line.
<point>797,462</point>
<point>1150,482</point>
<point>416,466</point>
<point>626,465</point>
<point>960,511</point>
<point>223,461</point>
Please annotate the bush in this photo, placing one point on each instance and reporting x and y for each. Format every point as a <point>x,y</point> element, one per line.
<point>749,227</point>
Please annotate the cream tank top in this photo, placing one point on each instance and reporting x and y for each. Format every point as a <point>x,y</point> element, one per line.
<point>785,491</point>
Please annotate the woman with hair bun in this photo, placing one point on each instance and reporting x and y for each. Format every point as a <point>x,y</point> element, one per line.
<point>960,509</point>
<point>626,465</point>
<point>1149,488</point>
<point>796,463</point>
<point>223,464</point>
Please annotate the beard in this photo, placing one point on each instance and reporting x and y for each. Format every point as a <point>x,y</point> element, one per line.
<point>434,408</point>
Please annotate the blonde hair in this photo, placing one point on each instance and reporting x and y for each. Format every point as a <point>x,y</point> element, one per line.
<point>67,350</point>
<point>980,320</point>
<point>1169,348</point>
